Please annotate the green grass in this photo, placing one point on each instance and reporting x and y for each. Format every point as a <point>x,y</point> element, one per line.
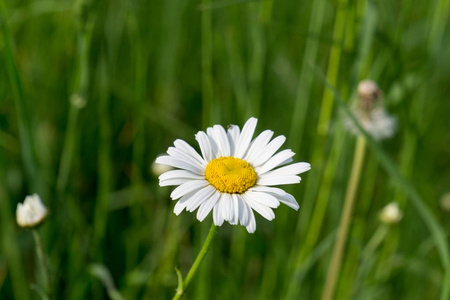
<point>154,71</point>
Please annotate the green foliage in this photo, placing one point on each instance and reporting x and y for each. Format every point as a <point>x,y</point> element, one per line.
<point>92,91</point>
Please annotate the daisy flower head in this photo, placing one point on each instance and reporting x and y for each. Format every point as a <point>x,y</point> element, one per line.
<point>233,176</point>
<point>371,114</point>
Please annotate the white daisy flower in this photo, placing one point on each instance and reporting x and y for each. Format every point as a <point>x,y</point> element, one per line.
<point>32,212</point>
<point>233,176</point>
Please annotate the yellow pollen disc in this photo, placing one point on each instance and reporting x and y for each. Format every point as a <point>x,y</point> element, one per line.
<point>230,175</point>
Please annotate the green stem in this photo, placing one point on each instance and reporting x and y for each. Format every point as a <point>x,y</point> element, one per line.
<point>42,262</point>
<point>344,225</point>
<point>183,285</point>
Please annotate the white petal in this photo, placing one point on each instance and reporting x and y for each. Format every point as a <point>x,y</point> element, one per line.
<point>293,169</point>
<point>226,206</point>
<point>206,206</point>
<point>259,143</point>
<point>174,174</point>
<point>221,139</point>
<point>217,213</point>
<point>174,181</point>
<point>251,226</point>
<point>180,144</point>
<point>263,198</point>
<point>183,155</point>
<point>201,196</point>
<point>179,163</point>
<point>274,161</point>
<point>269,150</point>
<point>278,180</point>
<point>281,195</point>
<point>244,216</point>
<point>263,210</point>
<point>235,211</point>
<point>182,203</point>
<point>233,136</point>
<point>191,186</point>
<point>245,137</point>
<point>205,145</point>
<point>214,146</point>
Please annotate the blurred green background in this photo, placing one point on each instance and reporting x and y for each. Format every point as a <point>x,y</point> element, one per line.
<point>92,91</point>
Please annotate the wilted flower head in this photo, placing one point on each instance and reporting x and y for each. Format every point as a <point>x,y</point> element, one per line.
<point>370,114</point>
<point>445,201</point>
<point>233,176</point>
<point>32,212</point>
<point>391,214</point>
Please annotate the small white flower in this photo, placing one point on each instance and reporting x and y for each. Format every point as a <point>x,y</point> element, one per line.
<point>391,214</point>
<point>32,212</point>
<point>158,169</point>
<point>233,176</point>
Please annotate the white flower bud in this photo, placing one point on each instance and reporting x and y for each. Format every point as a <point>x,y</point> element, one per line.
<point>32,212</point>
<point>445,201</point>
<point>158,169</point>
<point>391,214</point>
<point>78,101</point>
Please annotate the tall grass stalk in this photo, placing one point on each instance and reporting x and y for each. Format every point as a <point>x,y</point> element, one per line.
<point>341,240</point>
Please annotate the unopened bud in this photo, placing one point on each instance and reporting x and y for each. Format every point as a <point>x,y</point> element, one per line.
<point>32,212</point>
<point>368,94</point>
<point>391,214</point>
<point>158,169</point>
<point>78,101</point>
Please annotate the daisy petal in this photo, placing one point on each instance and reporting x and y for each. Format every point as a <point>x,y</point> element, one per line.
<point>263,210</point>
<point>182,203</point>
<point>207,206</point>
<point>182,145</point>
<point>242,209</point>
<point>217,213</point>
<point>278,180</point>
<point>179,163</point>
<point>257,145</point>
<point>269,150</point>
<point>263,198</point>
<point>251,226</point>
<point>188,187</point>
<point>274,161</point>
<point>221,139</point>
<point>174,181</point>
<point>293,169</point>
<point>233,136</point>
<point>281,195</point>
<point>175,174</point>
<point>200,197</point>
<point>245,137</point>
<point>235,211</point>
<point>205,146</point>
<point>181,154</point>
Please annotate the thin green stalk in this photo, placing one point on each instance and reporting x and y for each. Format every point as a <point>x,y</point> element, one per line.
<point>104,160</point>
<point>43,263</point>
<point>338,251</point>
<point>184,284</point>
<point>333,66</point>
<point>27,145</point>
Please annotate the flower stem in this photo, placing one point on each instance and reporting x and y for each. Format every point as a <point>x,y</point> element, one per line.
<point>42,262</point>
<point>183,285</point>
<point>349,201</point>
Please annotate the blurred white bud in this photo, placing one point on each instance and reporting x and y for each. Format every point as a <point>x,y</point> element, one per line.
<point>369,90</point>
<point>391,214</point>
<point>158,169</point>
<point>78,101</point>
<point>445,201</point>
<point>32,212</point>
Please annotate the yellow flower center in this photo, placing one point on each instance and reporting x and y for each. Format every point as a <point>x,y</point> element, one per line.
<point>230,175</point>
